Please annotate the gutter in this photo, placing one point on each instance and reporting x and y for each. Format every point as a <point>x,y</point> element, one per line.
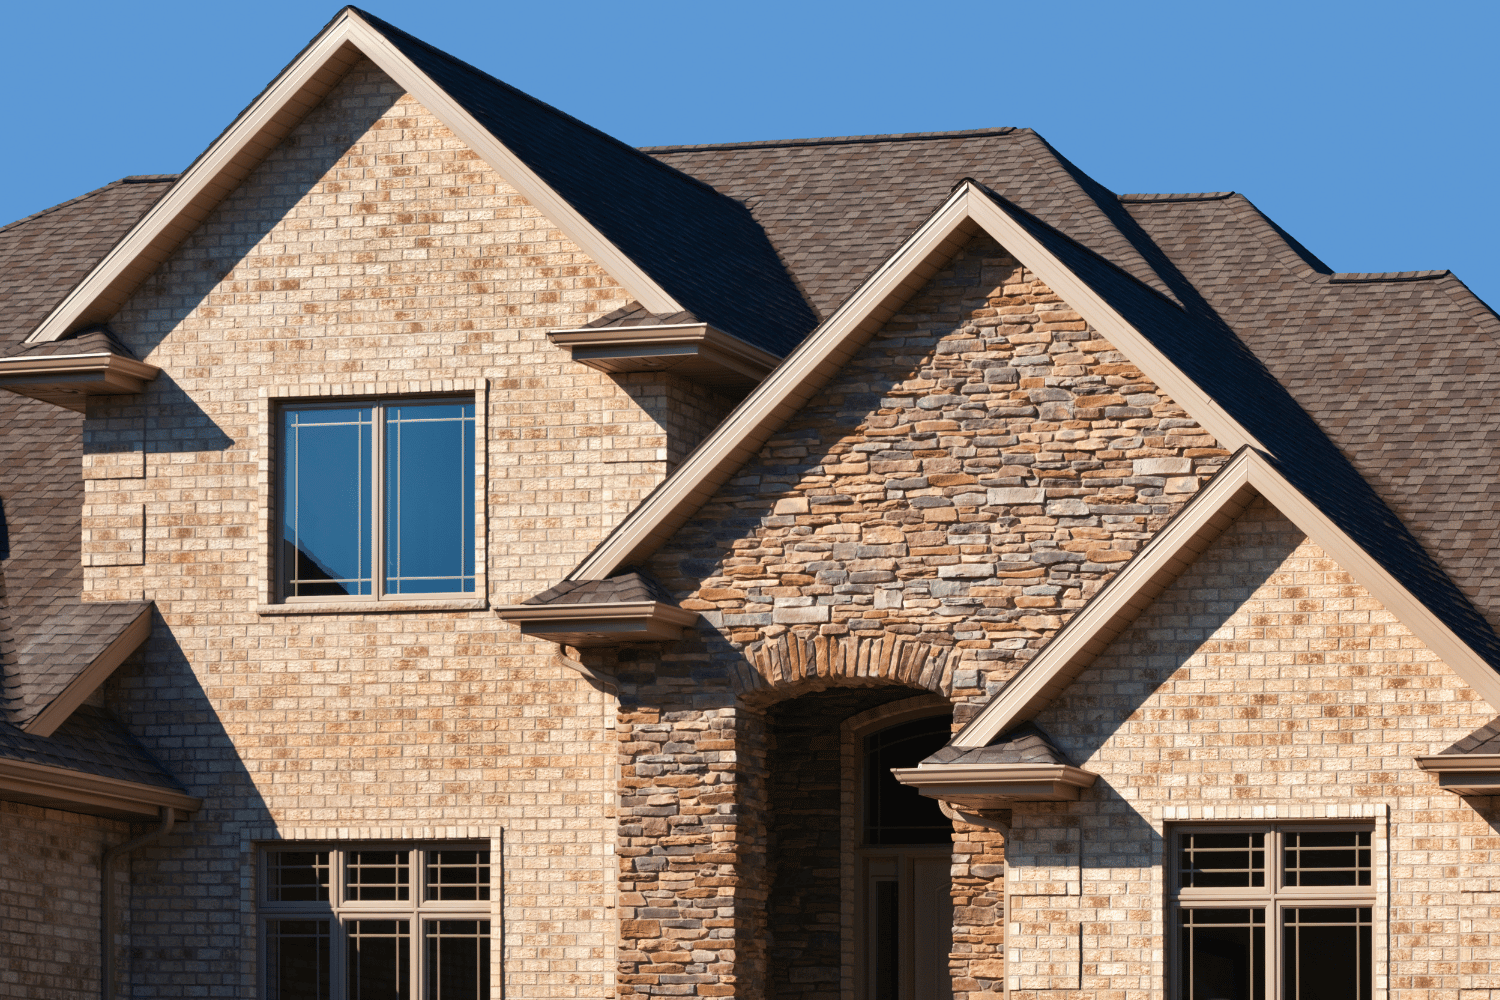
<point>108,918</point>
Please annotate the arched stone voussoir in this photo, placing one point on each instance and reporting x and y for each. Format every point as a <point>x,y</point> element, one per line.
<point>796,663</point>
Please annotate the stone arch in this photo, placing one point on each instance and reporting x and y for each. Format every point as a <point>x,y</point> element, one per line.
<point>795,663</point>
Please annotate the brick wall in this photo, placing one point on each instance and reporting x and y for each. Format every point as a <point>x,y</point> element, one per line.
<point>49,900</point>
<point>370,252</point>
<point>1265,683</point>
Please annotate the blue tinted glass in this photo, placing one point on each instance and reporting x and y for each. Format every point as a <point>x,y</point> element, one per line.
<point>429,497</point>
<point>326,491</point>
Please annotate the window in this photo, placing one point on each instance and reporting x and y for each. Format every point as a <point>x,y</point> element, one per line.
<point>376,922</point>
<point>377,499</point>
<point>1273,912</point>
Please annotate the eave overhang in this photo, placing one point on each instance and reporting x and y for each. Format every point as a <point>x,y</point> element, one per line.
<point>613,624</point>
<point>996,786</point>
<point>693,350</point>
<point>77,791</point>
<point>1465,774</point>
<point>69,379</point>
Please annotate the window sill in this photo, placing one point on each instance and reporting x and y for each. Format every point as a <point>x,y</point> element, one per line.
<point>372,607</point>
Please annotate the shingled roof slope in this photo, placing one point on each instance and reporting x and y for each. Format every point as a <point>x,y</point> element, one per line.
<point>838,208</point>
<point>1400,371</point>
<point>48,635</point>
<point>631,585</point>
<point>703,248</point>
<point>1025,744</point>
<point>90,741</point>
<point>43,256</point>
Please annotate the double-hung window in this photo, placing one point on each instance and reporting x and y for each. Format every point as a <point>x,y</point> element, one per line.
<point>1275,912</point>
<point>376,499</point>
<point>376,922</point>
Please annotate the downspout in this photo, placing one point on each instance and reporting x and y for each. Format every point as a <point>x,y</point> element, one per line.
<point>108,920</point>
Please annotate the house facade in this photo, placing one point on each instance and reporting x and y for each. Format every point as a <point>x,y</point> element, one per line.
<point>448,552</point>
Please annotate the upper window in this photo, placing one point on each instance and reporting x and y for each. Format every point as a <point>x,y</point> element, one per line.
<point>377,499</point>
<point>376,921</point>
<point>1310,886</point>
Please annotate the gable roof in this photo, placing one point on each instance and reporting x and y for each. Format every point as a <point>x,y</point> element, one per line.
<point>673,242</point>
<point>1186,349</point>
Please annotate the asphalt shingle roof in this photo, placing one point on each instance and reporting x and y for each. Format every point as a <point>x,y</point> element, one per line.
<point>90,741</point>
<point>1025,744</point>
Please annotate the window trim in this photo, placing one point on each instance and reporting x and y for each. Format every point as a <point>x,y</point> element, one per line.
<point>338,911</point>
<point>1274,896</point>
<point>270,599</point>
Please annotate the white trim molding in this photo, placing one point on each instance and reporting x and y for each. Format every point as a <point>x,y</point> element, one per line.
<point>603,624</point>
<point>263,125</point>
<point>95,794</point>
<point>1464,774</point>
<point>996,786</point>
<point>69,379</point>
<point>692,350</point>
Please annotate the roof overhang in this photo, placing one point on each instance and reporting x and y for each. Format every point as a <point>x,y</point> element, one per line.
<point>97,795</point>
<point>1248,474</point>
<point>262,126</point>
<point>996,786</point>
<point>69,379</point>
<point>46,721</point>
<point>613,624</point>
<point>693,350</point>
<point>1465,774</point>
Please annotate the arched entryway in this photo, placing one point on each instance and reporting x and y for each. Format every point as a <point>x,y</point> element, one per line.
<point>858,903</point>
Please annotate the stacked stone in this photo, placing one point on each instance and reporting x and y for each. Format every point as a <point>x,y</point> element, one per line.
<point>978,471</point>
<point>978,956</point>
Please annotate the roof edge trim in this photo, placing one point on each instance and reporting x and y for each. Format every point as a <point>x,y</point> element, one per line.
<point>608,624</point>
<point>996,786</point>
<point>261,126</point>
<point>45,722</point>
<point>1063,659</point>
<point>79,791</point>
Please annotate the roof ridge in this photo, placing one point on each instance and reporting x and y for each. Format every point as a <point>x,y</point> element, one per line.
<point>1285,247</point>
<point>132,179</point>
<point>385,26</point>
<point>840,140</point>
<point>1183,196</point>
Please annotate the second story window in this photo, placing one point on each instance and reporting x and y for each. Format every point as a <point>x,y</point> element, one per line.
<point>376,500</point>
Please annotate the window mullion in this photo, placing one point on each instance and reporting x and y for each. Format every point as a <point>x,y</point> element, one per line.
<point>377,503</point>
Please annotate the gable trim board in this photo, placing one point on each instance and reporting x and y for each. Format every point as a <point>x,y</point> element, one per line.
<point>817,359</point>
<point>1169,553</point>
<point>46,721</point>
<point>269,119</point>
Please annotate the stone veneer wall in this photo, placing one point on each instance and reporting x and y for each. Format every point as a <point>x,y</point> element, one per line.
<point>370,252</point>
<point>1265,683</point>
<point>976,472</point>
<point>49,900</point>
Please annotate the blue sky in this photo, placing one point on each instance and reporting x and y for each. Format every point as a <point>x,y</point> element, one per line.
<point>1367,130</point>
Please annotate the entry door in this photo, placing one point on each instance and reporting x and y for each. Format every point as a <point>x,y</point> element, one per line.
<point>908,924</point>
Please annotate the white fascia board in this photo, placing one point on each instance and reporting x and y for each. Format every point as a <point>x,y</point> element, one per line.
<point>46,722</point>
<point>276,111</point>
<point>773,401</point>
<point>1064,658</point>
